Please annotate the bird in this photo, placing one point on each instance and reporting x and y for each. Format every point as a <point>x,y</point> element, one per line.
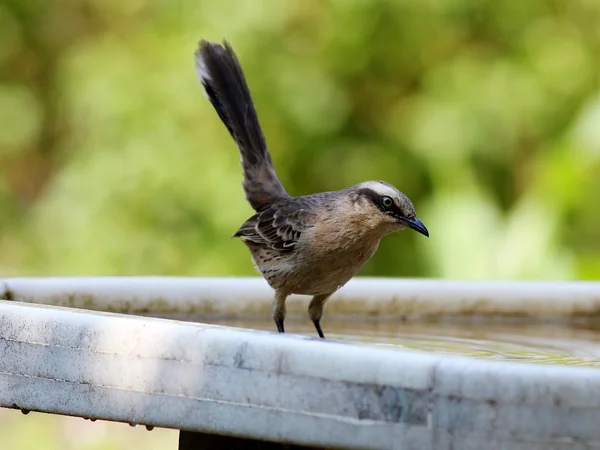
<point>309,244</point>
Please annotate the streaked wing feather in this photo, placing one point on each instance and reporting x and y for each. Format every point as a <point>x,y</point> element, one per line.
<point>279,226</point>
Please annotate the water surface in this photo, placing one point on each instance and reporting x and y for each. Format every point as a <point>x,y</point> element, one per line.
<point>549,344</point>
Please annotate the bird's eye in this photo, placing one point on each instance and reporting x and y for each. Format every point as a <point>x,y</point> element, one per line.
<point>387,201</point>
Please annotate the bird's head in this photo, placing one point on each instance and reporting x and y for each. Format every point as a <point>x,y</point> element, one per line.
<point>384,208</point>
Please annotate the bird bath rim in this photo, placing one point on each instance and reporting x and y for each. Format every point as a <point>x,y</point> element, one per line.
<point>362,303</point>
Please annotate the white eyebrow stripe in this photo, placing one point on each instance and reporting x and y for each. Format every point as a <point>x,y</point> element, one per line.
<point>381,188</point>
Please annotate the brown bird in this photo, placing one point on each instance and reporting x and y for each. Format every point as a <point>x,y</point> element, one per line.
<point>311,244</point>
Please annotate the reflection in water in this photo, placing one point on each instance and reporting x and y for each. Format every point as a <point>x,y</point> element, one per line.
<point>549,344</point>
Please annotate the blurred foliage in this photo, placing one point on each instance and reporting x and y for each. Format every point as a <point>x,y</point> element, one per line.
<point>487,114</point>
<point>73,433</point>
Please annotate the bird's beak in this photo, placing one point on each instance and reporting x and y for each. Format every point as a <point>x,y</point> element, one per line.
<point>415,224</point>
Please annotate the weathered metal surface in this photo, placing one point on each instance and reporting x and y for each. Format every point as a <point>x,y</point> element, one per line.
<point>286,388</point>
<point>368,297</point>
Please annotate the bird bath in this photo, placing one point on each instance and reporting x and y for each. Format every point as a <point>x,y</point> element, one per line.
<point>407,363</point>
<point>535,322</point>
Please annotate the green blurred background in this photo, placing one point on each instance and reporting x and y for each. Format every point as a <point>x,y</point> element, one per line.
<point>487,114</point>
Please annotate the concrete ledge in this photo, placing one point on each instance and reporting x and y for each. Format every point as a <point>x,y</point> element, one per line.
<point>381,298</point>
<point>285,388</point>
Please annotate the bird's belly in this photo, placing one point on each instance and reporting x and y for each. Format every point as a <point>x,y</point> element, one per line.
<point>323,281</point>
<point>310,273</point>
<point>328,272</point>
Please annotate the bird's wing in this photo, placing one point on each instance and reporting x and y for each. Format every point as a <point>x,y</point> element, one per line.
<point>279,226</point>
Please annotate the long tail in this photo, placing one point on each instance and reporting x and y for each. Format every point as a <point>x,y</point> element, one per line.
<point>225,86</point>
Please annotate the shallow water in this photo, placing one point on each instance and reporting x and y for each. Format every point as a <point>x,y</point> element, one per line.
<point>549,344</point>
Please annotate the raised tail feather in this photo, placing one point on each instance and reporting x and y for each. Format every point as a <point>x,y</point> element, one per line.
<point>225,86</point>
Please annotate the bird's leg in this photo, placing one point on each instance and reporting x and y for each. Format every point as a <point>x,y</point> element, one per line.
<point>278,310</point>
<point>315,311</point>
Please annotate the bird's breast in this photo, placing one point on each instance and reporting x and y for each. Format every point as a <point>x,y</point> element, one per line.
<point>326,266</point>
<point>325,258</point>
